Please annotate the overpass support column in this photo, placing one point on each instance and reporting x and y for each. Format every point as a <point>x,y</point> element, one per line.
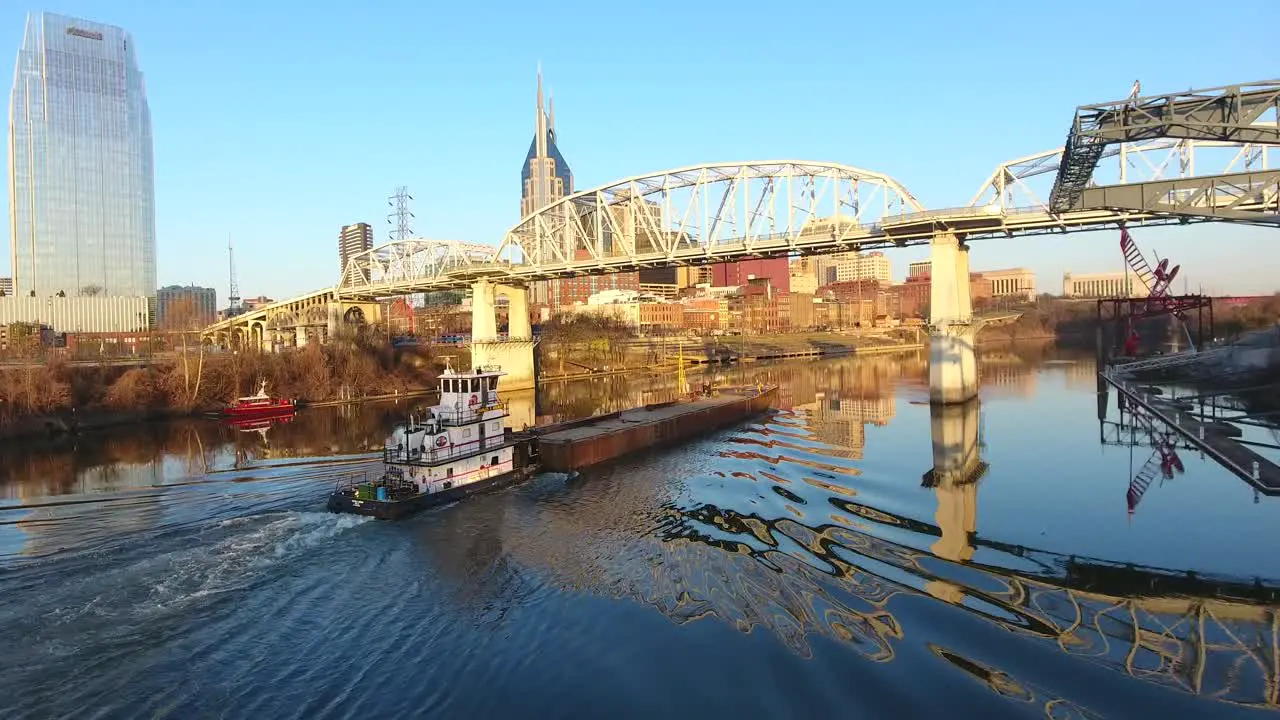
<point>953,369</point>
<point>484,324</point>
<point>300,336</point>
<point>518,326</point>
<point>514,355</point>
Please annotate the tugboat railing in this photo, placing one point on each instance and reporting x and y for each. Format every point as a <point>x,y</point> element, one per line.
<point>431,455</point>
<point>464,417</point>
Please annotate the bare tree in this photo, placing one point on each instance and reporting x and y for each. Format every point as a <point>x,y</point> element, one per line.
<point>91,290</point>
<point>183,317</point>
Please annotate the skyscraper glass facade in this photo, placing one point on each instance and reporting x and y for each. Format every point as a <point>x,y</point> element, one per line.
<point>81,182</point>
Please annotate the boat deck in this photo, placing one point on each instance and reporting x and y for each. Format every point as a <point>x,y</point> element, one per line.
<point>578,444</point>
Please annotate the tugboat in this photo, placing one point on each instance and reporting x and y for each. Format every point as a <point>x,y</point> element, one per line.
<point>461,447</point>
<point>259,406</point>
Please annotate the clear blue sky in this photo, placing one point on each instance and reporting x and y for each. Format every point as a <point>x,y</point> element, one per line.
<point>281,121</point>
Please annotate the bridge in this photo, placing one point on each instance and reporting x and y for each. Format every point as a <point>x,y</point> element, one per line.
<point>1160,146</point>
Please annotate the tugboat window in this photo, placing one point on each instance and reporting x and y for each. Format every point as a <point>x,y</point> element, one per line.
<point>494,461</point>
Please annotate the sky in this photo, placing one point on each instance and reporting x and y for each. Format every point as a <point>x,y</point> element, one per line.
<point>276,123</point>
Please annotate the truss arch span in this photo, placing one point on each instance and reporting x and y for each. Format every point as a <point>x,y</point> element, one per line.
<point>413,265</point>
<point>704,212</point>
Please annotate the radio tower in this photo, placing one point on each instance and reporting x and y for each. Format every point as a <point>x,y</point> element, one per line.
<point>400,216</point>
<point>233,298</point>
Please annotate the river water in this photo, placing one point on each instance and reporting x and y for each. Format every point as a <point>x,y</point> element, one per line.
<point>853,554</point>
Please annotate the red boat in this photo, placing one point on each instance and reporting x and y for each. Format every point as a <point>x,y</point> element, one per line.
<point>260,405</point>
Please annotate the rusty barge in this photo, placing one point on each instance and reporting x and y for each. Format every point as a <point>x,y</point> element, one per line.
<point>579,444</point>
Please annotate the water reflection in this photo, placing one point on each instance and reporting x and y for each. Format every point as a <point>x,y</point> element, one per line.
<point>848,518</point>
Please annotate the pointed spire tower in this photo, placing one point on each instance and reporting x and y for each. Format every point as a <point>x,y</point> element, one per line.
<point>545,177</point>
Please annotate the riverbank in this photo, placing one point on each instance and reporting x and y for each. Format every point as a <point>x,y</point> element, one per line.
<point>59,398</point>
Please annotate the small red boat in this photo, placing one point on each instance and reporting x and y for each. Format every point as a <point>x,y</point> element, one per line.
<point>260,406</point>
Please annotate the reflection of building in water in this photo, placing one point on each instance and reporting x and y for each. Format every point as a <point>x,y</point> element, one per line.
<point>1081,374</point>
<point>1007,371</point>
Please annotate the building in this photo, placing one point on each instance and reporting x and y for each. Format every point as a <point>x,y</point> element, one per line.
<point>100,313</point>
<point>863,266</point>
<point>668,282</point>
<point>912,298</point>
<point>180,307</point>
<point>25,337</point>
<point>804,275</point>
<point>776,270</point>
<point>352,240</point>
<point>702,315</point>
<point>250,304</point>
<point>827,268</point>
<point>6,286</point>
<point>920,269</point>
<point>1012,283</point>
<point>1102,285</point>
<point>81,183</point>
<point>545,178</point>
<point>798,309</point>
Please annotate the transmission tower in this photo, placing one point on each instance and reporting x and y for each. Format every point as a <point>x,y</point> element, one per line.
<point>233,299</point>
<point>400,216</point>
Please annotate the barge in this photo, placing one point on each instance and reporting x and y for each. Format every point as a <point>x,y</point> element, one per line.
<point>579,444</point>
<point>462,446</point>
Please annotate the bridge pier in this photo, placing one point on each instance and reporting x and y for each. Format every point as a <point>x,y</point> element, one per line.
<point>953,368</point>
<point>513,354</point>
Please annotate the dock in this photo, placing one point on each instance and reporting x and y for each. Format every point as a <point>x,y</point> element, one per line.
<point>582,443</point>
<point>1217,439</point>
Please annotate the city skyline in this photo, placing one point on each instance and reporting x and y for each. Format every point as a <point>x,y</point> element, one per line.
<point>218,169</point>
<point>81,185</point>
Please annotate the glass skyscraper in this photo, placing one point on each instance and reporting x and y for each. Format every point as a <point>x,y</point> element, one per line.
<point>81,184</point>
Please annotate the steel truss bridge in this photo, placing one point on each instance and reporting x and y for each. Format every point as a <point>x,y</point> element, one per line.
<point>1199,156</point>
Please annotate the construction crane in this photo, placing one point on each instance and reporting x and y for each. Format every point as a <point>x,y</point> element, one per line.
<point>1164,461</point>
<point>1157,280</point>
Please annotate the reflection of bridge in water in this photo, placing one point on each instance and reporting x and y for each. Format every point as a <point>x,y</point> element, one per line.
<point>841,577</point>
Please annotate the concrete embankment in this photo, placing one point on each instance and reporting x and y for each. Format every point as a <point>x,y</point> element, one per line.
<point>582,443</point>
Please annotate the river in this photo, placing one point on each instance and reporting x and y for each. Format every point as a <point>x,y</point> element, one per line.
<point>852,554</point>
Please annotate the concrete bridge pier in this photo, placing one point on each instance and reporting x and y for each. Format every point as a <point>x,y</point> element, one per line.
<point>513,354</point>
<point>953,368</point>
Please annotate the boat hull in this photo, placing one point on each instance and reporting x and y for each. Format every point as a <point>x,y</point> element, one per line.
<point>263,411</point>
<point>344,501</point>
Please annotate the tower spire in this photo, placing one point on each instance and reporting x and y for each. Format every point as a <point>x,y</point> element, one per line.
<point>541,126</point>
<point>551,113</point>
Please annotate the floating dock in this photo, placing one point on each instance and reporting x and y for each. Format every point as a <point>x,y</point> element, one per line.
<point>579,444</point>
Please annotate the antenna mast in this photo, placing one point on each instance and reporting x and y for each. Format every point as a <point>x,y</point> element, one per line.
<point>400,216</point>
<point>233,299</point>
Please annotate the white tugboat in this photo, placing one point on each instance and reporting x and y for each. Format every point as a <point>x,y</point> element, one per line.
<point>460,447</point>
